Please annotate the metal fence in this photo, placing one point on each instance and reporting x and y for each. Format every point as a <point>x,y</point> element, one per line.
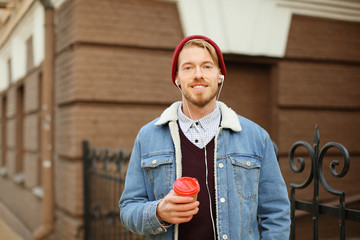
<point>104,176</point>
<point>317,177</point>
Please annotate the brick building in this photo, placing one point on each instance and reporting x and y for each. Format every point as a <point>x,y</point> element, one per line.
<point>98,70</point>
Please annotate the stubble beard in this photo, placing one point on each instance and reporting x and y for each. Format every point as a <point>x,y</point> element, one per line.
<point>200,100</point>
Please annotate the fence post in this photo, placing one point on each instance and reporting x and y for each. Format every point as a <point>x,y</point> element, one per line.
<point>315,209</point>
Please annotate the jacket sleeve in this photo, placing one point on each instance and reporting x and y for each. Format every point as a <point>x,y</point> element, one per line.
<point>137,208</point>
<point>274,205</point>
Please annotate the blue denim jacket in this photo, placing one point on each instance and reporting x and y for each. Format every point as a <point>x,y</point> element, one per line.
<point>250,190</point>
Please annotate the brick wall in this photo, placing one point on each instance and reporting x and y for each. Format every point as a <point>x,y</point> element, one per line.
<point>112,71</point>
<point>246,90</point>
<point>325,39</point>
<point>114,74</point>
<point>136,23</point>
<point>319,83</point>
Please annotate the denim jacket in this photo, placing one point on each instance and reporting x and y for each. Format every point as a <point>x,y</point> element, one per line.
<point>250,190</point>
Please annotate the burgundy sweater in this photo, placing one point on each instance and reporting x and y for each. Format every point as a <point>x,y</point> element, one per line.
<point>193,165</point>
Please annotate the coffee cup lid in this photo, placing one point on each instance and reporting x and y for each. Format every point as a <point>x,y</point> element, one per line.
<point>186,186</point>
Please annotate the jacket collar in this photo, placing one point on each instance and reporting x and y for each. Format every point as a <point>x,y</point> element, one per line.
<point>229,118</point>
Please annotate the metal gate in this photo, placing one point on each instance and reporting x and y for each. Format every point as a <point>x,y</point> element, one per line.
<point>317,177</point>
<point>104,177</point>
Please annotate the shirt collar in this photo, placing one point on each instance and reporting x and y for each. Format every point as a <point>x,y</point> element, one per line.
<point>204,123</point>
<point>229,118</point>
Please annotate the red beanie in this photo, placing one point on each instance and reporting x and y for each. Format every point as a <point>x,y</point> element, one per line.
<point>180,46</point>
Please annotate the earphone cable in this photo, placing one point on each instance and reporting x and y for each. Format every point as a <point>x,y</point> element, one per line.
<point>205,158</point>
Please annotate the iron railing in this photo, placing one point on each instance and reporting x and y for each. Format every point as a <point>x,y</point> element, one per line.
<point>317,177</point>
<point>104,177</point>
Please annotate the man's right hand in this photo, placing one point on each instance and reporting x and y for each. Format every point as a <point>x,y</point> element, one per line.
<point>176,209</point>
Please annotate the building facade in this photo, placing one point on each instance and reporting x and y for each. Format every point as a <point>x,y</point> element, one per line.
<point>74,70</point>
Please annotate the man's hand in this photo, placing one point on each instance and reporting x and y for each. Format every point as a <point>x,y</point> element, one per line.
<point>176,209</point>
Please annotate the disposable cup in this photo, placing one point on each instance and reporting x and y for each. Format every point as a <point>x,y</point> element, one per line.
<point>187,186</point>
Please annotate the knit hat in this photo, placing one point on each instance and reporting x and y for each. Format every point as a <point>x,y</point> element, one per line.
<point>180,46</point>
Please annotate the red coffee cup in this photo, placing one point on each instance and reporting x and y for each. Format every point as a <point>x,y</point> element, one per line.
<point>187,186</point>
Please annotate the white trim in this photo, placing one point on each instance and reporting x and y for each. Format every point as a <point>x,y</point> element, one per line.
<point>256,27</point>
<point>14,48</point>
<point>4,58</point>
<point>57,3</point>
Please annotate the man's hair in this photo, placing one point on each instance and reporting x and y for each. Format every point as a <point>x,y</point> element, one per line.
<point>204,44</point>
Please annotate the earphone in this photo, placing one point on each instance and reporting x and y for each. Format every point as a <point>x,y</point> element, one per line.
<point>177,82</point>
<point>222,78</point>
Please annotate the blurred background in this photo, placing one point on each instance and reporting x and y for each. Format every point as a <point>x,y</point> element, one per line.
<point>98,70</point>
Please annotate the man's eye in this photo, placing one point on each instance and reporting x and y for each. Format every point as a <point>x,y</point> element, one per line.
<point>187,68</point>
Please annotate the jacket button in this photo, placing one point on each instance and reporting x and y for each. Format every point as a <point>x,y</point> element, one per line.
<point>222,200</point>
<point>224,236</point>
<point>221,165</point>
<point>153,162</point>
<point>248,163</point>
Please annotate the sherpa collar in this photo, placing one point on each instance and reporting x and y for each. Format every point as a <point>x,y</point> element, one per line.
<point>229,118</point>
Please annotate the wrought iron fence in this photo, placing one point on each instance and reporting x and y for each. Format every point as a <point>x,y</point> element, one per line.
<point>104,176</point>
<point>316,175</point>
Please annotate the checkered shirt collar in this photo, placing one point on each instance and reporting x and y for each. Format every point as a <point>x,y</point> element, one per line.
<point>205,123</point>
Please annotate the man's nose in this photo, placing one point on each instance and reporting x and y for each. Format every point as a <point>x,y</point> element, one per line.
<point>198,73</point>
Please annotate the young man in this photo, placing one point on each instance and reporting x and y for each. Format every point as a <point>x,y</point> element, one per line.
<point>242,196</point>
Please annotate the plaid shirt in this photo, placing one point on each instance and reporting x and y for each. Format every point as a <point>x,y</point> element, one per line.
<point>205,129</point>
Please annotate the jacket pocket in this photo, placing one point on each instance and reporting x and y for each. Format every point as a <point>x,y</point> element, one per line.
<point>159,170</point>
<point>246,174</point>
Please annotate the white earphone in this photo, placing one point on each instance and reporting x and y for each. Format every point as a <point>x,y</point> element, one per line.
<point>222,77</point>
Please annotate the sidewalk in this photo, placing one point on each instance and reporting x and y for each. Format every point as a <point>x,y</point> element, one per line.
<point>6,233</point>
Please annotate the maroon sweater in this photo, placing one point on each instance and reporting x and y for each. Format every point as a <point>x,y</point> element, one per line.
<point>193,165</point>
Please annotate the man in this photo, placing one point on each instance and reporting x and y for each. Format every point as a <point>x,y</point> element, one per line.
<point>242,193</point>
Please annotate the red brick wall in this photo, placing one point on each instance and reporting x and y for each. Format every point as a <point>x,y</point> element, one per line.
<point>247,91</point>
<point>136,23</point>
<point>139,23</point>
<point>323,39</point>
<point>112,75</point>
<point>319,83</point>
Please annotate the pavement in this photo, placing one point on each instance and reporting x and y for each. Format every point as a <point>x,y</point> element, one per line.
<point>6,233</point>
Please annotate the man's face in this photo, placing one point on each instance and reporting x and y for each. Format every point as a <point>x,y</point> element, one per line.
<point>198,76</point>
